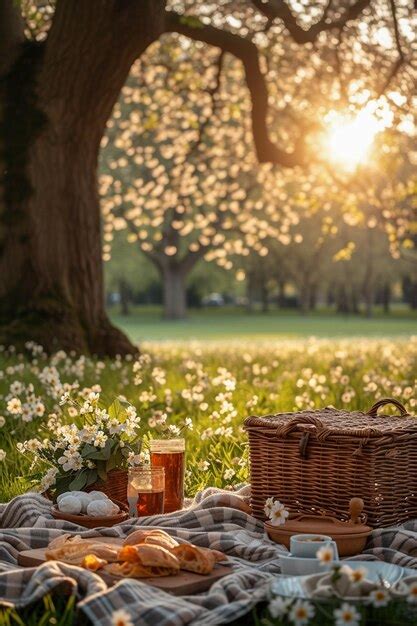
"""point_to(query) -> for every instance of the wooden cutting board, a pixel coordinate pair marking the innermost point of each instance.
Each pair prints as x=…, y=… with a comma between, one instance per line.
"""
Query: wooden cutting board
x=184, y=583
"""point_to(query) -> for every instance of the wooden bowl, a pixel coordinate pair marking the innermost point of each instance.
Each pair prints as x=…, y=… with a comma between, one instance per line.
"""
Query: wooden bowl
x=348, y=544
x=350, y=535
x=88, y=521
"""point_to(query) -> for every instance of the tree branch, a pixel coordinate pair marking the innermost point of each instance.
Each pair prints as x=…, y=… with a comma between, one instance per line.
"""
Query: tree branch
x=247, y=52
x=278, y=9
x=11, y=33
x=401, y=56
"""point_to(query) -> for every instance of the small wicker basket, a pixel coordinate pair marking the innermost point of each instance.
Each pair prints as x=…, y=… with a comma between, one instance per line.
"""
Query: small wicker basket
x=115, y=487
x=318, y=460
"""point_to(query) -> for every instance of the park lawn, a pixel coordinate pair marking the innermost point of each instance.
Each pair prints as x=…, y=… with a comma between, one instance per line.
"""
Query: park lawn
x=146, y=323
x=217, y=384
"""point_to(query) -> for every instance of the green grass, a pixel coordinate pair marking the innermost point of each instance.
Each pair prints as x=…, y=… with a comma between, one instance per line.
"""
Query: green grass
x=146, y=323
x=217, y=384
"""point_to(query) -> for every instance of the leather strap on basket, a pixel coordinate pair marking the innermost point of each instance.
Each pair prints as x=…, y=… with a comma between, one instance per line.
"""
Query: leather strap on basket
x=285, y=429
x=373, y=411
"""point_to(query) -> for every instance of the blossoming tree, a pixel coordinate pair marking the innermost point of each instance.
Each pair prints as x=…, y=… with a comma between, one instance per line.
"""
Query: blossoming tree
x=62, y=68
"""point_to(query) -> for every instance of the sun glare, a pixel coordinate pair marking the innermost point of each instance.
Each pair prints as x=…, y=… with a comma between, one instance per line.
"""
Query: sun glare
x=349, y=139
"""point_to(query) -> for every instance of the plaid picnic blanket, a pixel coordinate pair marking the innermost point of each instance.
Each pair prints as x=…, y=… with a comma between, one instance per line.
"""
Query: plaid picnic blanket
x=26, y=523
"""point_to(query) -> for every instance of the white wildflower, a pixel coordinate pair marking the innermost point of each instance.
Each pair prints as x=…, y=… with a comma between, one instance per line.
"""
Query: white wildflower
x=379, y=597
x=279, y=514
x=412, y=593
x=14, y=406
x=268, y=506
x=278, y=607
x=301, y=612
x=121, y=618
x=325, y=555
x=347, y=615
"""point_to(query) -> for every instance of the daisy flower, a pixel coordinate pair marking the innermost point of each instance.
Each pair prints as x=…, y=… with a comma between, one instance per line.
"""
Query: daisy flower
x=412, y=593
x=14, y=406
x=121, y=618
x=278, y=607
x=379, y=597
x=325, y=555
x=358, y=575
x=301, y=612
x=278, y=514
x=346, y=615
x=268, y=506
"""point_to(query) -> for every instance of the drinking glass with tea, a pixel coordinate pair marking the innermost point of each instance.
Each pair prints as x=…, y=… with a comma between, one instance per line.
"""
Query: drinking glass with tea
x=145, y=491
x=170, y=455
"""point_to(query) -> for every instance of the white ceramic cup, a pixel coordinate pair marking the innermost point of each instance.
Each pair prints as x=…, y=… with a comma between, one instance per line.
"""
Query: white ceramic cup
x=307, y=545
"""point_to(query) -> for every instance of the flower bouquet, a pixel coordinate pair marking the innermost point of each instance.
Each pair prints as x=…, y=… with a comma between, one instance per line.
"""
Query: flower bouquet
x=86, y=442
x=377, y=604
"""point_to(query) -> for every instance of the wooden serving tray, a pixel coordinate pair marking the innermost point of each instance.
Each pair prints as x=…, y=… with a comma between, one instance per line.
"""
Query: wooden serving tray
x=183, y=584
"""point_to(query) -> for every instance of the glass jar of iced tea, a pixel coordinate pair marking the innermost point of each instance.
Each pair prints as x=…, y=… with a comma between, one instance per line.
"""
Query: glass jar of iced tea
x=170, y=454
x=145, y=491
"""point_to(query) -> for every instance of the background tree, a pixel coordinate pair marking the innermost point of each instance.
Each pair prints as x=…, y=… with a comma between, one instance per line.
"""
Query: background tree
x=61, y=75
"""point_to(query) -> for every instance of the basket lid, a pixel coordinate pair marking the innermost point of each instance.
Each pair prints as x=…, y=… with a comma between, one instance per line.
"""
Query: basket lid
x=300, y=523
x=330, y=422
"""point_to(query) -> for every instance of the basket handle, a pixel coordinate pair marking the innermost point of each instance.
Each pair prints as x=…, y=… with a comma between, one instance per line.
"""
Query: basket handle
x=285, y=429
x=373, y=411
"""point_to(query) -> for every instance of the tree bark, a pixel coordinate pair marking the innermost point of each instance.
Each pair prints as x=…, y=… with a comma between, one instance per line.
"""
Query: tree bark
x=386, y=297
x=369, y=281
x=281, y=294
x=264, y=295
x=57, y=98
x=124, y=293
x=174, y=292
x=250, y=292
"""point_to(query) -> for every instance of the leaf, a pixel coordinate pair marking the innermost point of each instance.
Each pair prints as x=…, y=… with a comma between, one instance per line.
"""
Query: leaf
x=101, y=472
x=62, y=484
x=79, y=481
x=116, y=410
x=98, y=455
x=92, y=477
x=87, y=450
x=115, y=461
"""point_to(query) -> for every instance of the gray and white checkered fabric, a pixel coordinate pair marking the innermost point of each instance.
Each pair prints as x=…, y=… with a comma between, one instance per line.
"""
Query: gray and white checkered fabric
x=26, y=523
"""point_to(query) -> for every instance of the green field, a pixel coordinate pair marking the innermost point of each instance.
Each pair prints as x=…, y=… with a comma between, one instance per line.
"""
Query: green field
x=216, y=384
x=146, y=323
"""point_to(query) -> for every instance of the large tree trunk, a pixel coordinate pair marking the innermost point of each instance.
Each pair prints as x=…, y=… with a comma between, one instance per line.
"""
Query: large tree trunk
x=281, y=294
x=174, y=293
x=369, y=280
x=124, y=293
x=55, y=102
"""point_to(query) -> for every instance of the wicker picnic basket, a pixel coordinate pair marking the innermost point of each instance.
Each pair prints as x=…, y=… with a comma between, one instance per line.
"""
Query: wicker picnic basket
x=115, y=487
x=315, y=461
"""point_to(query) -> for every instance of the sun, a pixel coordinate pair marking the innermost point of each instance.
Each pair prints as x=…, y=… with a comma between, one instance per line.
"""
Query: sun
x=349, y=139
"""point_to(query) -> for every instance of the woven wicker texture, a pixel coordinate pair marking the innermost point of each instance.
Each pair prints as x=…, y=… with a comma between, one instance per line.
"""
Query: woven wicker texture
x=115, y=486
x=319, y=460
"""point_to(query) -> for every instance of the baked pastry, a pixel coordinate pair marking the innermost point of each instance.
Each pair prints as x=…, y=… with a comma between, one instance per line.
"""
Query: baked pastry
x=194, y=559
x=155, y=536
x=149, y=556
x=218, y=556
x=72, y=550
x=93, y=562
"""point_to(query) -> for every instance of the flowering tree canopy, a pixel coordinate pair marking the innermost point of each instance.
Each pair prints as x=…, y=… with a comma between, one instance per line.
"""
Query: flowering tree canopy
x=62, y=68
